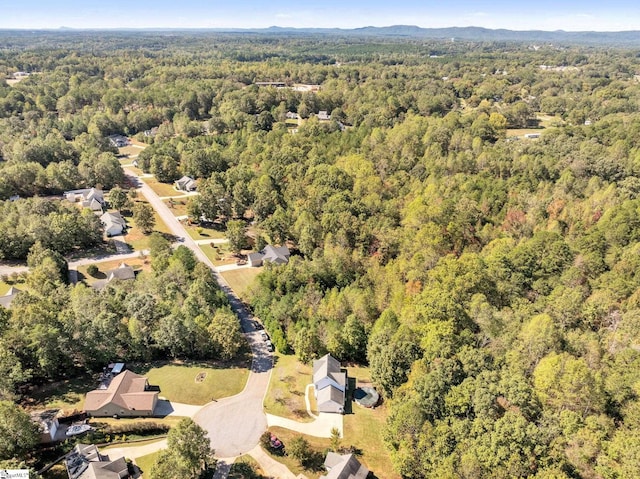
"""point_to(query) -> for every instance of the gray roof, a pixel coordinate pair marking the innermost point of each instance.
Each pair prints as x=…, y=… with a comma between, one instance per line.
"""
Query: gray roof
x=275, y=254
x=186, y=183
x=328, y=366
x=9, y=296
x=113, y=220
x=86, y=462
x=124, y=271
x=344, y=466
x=330, y=399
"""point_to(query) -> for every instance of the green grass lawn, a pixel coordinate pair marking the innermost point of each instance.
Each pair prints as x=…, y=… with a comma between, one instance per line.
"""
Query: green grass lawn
x=219, y=254
x=285, y=396
x=66, y=395
x=198, y=232
x=241, y=279
x=162, y=189
x=137, y=240
x=137, y=264
x=177, y=206
x=18, y=283
x=319, y=445
x=178, y=382
x=249, y=461
x=144, y=463
x=363, y=429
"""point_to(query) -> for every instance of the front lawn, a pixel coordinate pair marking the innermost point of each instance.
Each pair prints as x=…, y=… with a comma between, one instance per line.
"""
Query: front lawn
x=144, y=463
x=199, y=232
x=137, y=240
x=162, y=189
x=319, y=446
x=241, y=279
x=178, y=383
x=138, y=264
x=178, y=206
x=285, y=396
x=219, y=254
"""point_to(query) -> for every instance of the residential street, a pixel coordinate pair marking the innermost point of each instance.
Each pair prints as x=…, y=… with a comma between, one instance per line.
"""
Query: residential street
x=234, y=424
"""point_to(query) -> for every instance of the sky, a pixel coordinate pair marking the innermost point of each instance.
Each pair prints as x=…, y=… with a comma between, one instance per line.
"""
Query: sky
x=570, y=15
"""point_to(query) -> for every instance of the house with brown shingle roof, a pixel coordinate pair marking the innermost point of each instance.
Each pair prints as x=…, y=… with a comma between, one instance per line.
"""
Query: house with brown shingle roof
x=127, y=395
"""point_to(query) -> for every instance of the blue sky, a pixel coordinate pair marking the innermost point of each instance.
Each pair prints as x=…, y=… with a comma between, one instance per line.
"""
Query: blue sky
x=613, y=15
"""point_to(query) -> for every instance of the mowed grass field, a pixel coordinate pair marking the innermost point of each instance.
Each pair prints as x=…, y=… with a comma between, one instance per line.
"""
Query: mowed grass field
x=178, y=382
x=162, y=189
x=241, y=279
x=285, y=396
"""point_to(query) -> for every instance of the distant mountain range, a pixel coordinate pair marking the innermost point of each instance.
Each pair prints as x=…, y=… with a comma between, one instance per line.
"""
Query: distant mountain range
x=463, y=33
x=411, y=31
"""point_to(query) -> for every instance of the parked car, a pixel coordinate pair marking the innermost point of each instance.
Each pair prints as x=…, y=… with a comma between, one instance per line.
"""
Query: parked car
x=270, y=347
x=264, y=335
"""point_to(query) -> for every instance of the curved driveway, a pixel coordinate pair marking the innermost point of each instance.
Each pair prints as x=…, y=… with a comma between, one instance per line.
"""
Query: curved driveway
x=234, y=424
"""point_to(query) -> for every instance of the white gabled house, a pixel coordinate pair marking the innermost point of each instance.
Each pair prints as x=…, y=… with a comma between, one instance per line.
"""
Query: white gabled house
x=330, y=384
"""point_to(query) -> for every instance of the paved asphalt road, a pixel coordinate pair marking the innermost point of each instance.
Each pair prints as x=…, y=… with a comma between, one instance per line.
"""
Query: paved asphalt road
x=234, y=424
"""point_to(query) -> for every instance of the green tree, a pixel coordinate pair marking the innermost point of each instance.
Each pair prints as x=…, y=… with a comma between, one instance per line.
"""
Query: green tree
x=225, y=333
x=18, y=433
x=118, y=199
x=188, y=453
x=299, y=449
x=236, y=234
x=143, y=217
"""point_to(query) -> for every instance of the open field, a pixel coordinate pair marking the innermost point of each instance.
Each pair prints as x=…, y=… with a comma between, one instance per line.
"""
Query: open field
x=178, y=382
x=241, y=279
x=130, y=150
x=178, y=206
x=285, y=396
x=162, y=189
x=198, y=232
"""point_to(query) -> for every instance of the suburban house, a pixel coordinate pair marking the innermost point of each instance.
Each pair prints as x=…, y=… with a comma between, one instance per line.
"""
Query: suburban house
x=48, y=424
x=86, y=462
x=345, y=466
x=272, y=254
x=92, y=198
x=128, y=395
x=118, y=141
x=186, y=183
x=330, y=384
x=123, y=272
x=323, y=115
x=9, y=296
x=292, y=115
x=114, y=224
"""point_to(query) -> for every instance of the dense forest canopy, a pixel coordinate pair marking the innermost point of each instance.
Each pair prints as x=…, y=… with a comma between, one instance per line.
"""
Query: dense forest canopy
x=489, y=280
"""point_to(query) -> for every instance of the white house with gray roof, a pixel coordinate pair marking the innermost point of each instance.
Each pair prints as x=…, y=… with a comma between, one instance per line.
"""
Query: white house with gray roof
x=330, y=384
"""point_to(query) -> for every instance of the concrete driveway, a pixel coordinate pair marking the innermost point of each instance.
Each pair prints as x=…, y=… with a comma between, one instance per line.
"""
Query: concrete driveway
x=167, y=408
